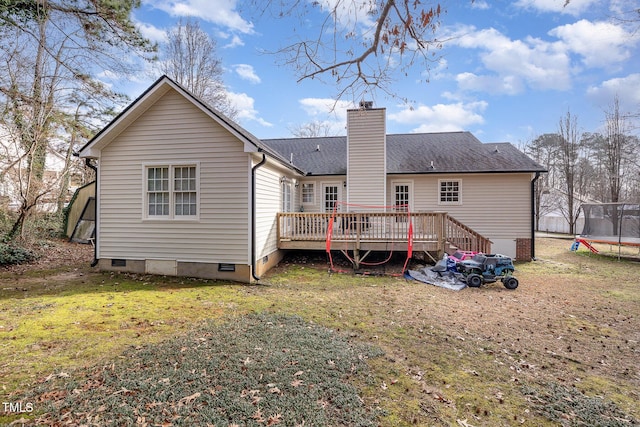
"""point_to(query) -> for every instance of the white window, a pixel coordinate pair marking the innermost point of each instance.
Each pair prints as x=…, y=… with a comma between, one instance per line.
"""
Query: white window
x=308, y=193
x=286, y=196
x=184, y=186
x=449, y=192
x=171, y=192
x=158, y=191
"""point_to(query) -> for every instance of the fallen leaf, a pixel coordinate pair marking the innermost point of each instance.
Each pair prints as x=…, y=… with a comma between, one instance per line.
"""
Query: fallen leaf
x=189, y=399
x=274, y=419
x=296, y=383
x=258, y=416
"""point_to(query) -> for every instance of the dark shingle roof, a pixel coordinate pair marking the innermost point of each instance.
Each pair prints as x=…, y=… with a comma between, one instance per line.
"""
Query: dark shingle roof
x=329, y=159
x=448, y=152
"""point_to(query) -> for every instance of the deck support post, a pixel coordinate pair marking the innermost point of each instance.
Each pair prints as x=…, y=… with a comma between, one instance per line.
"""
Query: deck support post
x=356, y=259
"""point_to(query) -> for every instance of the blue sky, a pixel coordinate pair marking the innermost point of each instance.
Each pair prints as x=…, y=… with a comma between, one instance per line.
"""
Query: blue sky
x=508, y=71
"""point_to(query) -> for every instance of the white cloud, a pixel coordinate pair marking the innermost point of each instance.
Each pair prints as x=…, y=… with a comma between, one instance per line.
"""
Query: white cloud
x=315, y=107
x=236, y=41
x=575, y=7
x=152, y=32
x=627, y=89
x=480, y=4
x=244, y=104
x=601, y=44
x=509, y=85
x=624, y=9
x=442, y=117
x=246, y=72
x=328, y=112
x=542, y=65
x=348, y=13
x=219, y=12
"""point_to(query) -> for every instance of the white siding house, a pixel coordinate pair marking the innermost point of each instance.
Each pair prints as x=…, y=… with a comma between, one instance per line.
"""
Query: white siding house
x=174, y=191
x=182, y=190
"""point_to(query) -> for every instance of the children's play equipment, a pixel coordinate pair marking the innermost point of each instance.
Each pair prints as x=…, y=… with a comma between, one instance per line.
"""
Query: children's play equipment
x=488, y=269
x=609, y=223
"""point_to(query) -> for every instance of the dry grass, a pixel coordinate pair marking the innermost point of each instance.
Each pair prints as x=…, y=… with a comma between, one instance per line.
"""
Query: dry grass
x=478, y=357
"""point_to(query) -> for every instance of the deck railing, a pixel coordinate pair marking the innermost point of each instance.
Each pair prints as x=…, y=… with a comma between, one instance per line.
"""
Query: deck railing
x=463, y=237
x=360, y=227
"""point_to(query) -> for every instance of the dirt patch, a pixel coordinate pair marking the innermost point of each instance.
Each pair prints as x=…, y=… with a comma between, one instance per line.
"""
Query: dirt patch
x=54, y=255
x=570, y=327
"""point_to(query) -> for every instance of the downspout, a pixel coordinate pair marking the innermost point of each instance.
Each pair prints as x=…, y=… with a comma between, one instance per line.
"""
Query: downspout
x=533, y=216
x=253, y=216
x=95, y=241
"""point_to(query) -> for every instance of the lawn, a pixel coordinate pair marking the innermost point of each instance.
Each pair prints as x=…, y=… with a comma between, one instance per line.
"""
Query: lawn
x=309, y=348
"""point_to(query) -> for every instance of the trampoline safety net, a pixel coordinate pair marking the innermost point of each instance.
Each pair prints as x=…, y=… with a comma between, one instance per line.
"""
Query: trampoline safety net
x=614, y=222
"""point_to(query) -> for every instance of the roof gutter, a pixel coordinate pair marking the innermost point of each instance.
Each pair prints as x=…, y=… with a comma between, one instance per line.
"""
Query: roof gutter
x=95, y=241
x=253, y=215
x=533, y=216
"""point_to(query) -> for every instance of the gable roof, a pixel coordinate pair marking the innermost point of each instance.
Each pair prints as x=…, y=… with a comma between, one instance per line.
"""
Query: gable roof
x=415, y=153
x=149, y=97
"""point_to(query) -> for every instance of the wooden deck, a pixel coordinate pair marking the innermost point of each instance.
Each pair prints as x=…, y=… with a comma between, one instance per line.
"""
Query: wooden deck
x=433, y=232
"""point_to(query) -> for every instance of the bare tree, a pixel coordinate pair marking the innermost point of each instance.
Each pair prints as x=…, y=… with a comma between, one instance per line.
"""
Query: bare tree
x=616, y=149
x=312, y=129
x=361, y=44
x=189, y=57
x=568, y=161
x=544, y=150
x=51, y=51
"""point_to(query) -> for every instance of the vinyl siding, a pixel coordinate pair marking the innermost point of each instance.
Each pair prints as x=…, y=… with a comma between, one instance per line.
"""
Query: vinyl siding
x=366, y=159
x=268, y=204
x=497, y=206
x=174, y=131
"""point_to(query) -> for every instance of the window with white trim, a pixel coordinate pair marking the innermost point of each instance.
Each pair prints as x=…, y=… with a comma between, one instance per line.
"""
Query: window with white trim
x=449, y=191
x=308, y=193
x=171, y=191
x=286, y=197
x=158, y=191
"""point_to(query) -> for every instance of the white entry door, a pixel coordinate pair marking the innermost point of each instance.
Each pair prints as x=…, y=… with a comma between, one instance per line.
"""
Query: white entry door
x=331, y=195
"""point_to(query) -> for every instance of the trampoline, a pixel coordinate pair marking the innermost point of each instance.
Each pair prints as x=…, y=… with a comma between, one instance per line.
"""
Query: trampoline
x=610, y=223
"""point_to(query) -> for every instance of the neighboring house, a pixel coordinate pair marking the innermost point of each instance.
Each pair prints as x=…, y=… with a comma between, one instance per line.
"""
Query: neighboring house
x=10, y=188
x=182, y=190
x=554, y=211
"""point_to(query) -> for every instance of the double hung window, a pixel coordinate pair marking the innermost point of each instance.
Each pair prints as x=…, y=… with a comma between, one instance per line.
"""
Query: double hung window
x=171, y=192
x=308, y=193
